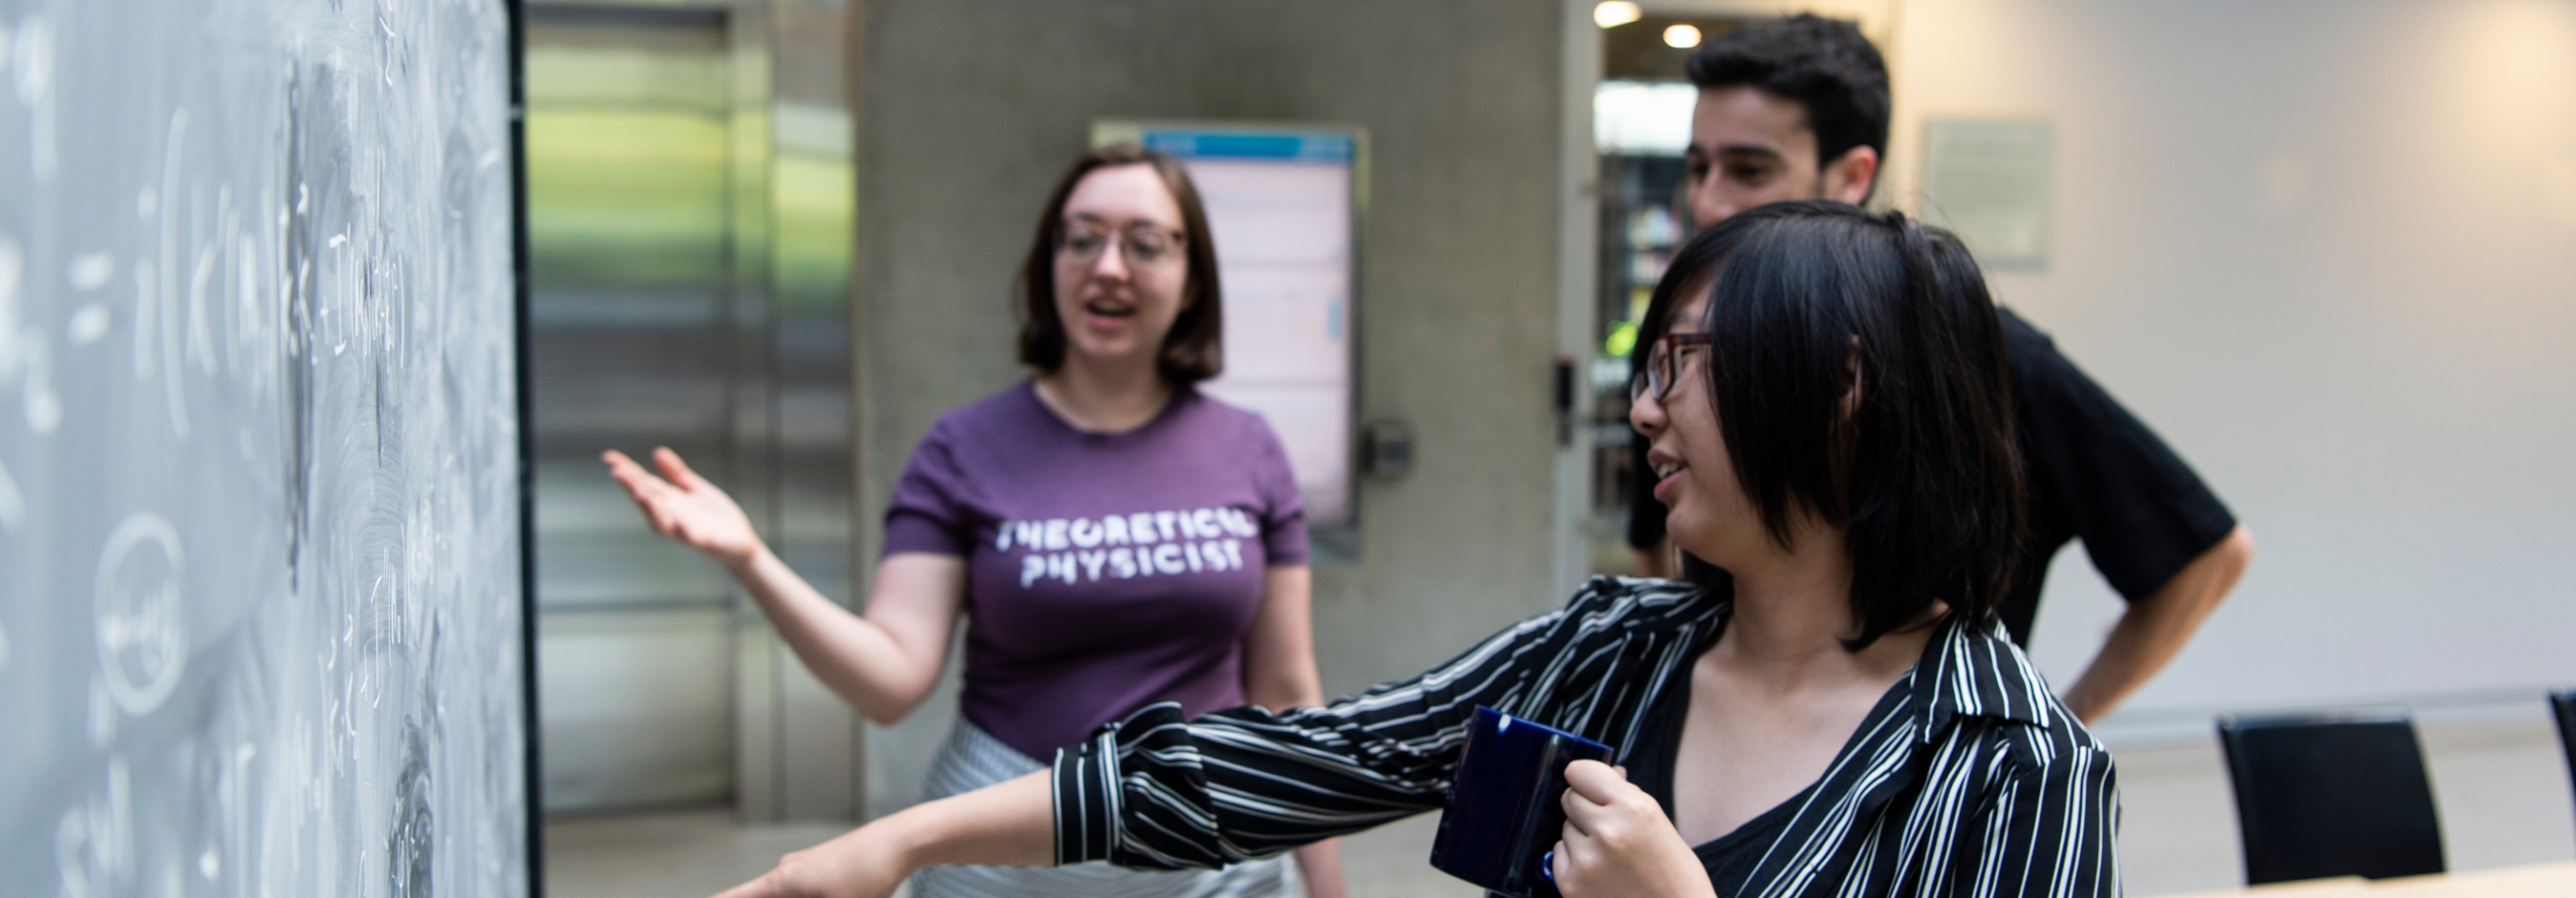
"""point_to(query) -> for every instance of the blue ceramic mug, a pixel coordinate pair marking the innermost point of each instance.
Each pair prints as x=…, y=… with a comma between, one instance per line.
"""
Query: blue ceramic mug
x=1505, y=809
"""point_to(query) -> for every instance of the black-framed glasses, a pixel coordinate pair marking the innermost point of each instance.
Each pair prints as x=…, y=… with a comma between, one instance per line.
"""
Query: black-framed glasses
x=1144, y=246
x=1661, y=361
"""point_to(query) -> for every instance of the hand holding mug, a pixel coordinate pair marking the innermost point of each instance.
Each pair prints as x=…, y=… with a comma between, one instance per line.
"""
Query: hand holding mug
x=1618, y=843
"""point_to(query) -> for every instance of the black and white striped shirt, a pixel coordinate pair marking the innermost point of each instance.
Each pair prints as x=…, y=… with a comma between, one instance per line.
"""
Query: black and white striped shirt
x=1973, y=782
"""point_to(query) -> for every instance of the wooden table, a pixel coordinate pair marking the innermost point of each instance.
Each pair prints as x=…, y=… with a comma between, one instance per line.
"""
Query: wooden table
x=2554, y=880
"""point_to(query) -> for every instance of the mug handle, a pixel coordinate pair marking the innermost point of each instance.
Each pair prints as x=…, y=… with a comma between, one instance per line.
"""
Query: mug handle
x=1547, y=866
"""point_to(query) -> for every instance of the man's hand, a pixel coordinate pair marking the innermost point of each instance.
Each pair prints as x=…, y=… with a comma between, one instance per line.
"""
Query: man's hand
x=2154, y=629
x=1619, y=844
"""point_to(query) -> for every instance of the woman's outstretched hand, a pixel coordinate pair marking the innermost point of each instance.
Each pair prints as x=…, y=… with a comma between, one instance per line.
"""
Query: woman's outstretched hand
x=857, y=864
x=1011, y=823
x=851, y=866
x=1619, y=844
x=685, y=507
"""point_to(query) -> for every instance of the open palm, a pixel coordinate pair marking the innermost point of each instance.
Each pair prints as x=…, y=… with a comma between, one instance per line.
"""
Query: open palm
x=683, y=506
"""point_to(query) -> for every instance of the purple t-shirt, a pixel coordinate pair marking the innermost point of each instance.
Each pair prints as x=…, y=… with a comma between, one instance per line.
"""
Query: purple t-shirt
x=1105, y=572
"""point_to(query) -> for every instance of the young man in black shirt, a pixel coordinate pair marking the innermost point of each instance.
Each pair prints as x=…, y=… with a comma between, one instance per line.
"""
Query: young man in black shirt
x=1798, y=108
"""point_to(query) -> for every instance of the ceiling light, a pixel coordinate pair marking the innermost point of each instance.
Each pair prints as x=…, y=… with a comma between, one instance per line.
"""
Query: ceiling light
x=1614, y=13
x=1681, y=36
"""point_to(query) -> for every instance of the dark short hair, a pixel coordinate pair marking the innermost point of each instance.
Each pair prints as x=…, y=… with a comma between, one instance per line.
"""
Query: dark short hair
x=1194, y=349
x=1923, y=475
x=1827, y=66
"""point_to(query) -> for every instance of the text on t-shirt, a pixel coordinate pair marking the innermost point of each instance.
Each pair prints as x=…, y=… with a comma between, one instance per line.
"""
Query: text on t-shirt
x=1140, y=544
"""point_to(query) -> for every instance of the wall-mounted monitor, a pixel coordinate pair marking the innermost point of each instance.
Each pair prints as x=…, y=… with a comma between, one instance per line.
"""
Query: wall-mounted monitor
x=1284, y=202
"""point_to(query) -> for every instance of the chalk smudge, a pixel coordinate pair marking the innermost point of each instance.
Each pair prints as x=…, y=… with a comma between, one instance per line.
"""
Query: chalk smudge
x=90, y=271
x=13, y=268
x=89, y=324
x=13, y=506
x=32, y=69
x=44, y=408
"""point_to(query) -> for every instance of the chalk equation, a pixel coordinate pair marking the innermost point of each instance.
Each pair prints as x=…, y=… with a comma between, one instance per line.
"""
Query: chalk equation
x=142, y=634
x=259, y=550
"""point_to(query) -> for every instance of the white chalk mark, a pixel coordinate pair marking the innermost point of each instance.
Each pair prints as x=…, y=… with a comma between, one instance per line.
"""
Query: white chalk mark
x=142, y=628
x=171, y=376
x=89, y=324
x=236, y=804
x=71, y=843
x=90, y=271
x=227, y=233
x=44, y=409
x=32, y=70
x=120, y=818
x=144, y=306
x=201, y=337
x=208, y=865
x=251, y=319
x=13, y=515
x=13, y=268
x=338, y=240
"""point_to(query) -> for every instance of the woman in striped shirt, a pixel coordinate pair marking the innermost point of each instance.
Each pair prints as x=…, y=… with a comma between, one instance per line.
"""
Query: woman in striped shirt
x=1825, y=708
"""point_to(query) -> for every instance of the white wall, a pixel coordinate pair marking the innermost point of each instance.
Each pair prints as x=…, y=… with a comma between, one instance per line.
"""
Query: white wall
x=2328, y=249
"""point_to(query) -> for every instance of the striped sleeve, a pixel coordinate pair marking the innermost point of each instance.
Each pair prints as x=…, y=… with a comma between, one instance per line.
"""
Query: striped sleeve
x=2051, y=822
x=1966, y=781
x=1157, y=791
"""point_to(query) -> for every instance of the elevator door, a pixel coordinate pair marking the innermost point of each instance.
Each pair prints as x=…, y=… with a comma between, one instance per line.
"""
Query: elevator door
x=634, y=273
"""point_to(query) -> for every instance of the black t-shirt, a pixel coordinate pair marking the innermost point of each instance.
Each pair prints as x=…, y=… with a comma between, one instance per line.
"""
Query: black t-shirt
x=1729, y=859
x=2092, y=471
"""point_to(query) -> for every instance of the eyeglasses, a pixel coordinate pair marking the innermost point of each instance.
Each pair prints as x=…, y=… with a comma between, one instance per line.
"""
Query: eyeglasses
x=1144, y=246
x=1661, y=361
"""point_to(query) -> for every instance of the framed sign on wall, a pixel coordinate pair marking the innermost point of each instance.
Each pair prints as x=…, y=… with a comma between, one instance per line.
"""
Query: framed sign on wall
x=1988, y=180
x=1284, y=201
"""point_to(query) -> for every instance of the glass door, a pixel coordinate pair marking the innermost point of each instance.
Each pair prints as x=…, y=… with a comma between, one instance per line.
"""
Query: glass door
x=1641, y=126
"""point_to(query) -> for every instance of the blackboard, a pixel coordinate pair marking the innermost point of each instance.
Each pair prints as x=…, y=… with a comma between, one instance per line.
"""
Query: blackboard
x=260, y=595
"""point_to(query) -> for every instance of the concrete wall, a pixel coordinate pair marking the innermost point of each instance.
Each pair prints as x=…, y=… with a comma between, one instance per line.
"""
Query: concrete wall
x=969, y=109
x=2324, y=247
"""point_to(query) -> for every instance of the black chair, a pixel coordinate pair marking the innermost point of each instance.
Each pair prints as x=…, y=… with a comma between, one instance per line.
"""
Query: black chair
x=2333, y=795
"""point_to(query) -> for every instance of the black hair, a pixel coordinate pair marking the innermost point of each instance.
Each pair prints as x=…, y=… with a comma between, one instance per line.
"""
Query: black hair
x=1194, y=349
x=1825, y=65
x=1922, y=474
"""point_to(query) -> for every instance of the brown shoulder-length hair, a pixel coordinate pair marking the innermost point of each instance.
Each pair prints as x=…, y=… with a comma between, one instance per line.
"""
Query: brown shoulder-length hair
x=1194, y=349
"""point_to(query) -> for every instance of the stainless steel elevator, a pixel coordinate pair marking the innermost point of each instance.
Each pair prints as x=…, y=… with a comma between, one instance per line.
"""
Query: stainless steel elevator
x=689, y=212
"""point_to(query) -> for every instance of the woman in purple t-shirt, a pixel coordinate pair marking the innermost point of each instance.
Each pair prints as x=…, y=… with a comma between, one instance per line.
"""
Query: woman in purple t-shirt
x=1112, y=537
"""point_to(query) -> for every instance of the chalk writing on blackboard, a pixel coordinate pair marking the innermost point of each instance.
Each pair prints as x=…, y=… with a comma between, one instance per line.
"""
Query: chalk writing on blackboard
x=259, y=557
